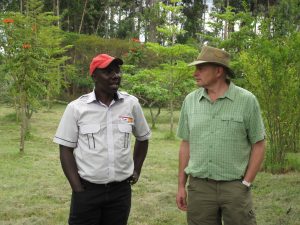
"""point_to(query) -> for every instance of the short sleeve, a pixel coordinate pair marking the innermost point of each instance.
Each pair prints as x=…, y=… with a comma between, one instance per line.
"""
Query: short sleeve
x=183, y=128
x=256, y=129
x=67, y=131
x=141, y=129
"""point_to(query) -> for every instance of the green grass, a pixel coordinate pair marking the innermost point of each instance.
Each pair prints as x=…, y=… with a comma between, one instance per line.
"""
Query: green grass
x=293, y=161
x=33, y=189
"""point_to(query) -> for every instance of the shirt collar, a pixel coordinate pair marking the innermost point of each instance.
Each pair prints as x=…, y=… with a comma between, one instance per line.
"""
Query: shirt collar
x=92, y=96
x=230, y=93
x=202, y=94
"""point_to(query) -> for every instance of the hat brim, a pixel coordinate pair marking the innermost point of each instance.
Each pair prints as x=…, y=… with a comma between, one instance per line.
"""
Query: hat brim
x=198, y=62
x=118, y=61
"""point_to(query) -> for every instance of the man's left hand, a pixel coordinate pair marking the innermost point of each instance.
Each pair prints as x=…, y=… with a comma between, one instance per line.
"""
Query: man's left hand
x=134, y=178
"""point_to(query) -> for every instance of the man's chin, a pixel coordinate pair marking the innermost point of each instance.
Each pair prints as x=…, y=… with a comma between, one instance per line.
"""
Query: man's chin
x=199, y=84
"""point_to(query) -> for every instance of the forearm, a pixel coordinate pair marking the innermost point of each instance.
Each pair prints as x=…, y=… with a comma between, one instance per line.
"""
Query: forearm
x=256, y=160
x=69, y=167
x=139, y=155
x=184, y=156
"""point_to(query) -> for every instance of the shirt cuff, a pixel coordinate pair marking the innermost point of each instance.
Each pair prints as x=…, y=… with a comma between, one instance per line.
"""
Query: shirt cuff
x=257, y=138
x=144, y=137
x=64, y=142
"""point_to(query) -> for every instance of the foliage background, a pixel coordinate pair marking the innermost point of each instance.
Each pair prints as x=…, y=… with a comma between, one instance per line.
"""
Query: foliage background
x=45, y=50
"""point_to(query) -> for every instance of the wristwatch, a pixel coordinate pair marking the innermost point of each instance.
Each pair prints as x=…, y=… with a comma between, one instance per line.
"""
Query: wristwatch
x=246, y=183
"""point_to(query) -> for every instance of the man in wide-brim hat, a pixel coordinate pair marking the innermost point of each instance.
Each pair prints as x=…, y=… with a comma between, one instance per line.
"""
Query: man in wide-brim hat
x=222, y=148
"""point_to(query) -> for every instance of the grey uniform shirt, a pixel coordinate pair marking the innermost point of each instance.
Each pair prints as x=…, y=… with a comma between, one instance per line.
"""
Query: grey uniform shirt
x=100, y=135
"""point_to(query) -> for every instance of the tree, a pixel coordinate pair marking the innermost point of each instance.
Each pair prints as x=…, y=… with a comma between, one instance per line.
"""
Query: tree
x=173, y=24
x=10, y=5
x=151, y=18
x=272, y=73
x=32, y=56
x=195, y=12
x=147, y=87
x=173, y=69
x=174, y=75
x=271, y=69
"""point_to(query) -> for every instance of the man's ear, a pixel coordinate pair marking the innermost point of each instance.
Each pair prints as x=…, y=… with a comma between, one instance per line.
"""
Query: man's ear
x=220, y=71
x=94, y=78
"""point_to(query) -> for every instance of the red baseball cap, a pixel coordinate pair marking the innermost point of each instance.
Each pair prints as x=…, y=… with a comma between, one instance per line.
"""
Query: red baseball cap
x=102, y=61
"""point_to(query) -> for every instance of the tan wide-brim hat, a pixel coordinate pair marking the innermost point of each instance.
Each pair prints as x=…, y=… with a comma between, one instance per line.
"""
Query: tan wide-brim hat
x=214, y=55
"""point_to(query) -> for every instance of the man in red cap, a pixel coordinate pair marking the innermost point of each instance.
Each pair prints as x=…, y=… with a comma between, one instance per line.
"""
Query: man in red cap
x=94, y=141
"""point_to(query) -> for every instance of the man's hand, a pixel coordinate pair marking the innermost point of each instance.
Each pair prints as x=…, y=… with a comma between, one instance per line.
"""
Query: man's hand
x=69, y=167
x=134, y=178
x=139, y=155
x=181, y=199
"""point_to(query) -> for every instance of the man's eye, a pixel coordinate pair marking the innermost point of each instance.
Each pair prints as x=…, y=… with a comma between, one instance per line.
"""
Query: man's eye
x=113, y=72
x=109, y=70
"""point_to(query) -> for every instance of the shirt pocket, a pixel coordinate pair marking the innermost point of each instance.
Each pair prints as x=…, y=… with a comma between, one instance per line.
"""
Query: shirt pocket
x=125, y=131
x=233, y=126
x=89, y=133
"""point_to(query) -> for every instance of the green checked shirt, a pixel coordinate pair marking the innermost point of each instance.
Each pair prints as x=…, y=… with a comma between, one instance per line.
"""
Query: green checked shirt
x=220, y=133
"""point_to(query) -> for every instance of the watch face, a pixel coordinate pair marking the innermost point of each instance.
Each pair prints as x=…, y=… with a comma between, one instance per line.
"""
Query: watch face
x=246, y=183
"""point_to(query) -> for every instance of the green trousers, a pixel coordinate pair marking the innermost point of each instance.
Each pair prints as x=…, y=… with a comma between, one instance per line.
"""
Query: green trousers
x=213, y=202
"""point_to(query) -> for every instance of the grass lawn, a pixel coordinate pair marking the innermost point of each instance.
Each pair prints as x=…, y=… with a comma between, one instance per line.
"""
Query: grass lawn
x=33, y=189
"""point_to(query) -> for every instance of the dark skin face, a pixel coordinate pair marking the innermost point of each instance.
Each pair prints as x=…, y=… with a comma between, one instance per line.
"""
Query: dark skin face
x=107, y=82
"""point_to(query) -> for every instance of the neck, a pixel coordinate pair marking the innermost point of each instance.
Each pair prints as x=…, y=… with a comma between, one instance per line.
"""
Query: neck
x=217, y=90
x=105, y=98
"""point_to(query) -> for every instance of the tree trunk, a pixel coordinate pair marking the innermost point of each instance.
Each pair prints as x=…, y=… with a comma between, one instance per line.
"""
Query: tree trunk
x=139, y=20
x=48, y=99
x=24, y=122
x=111, y=22
x=22, y=130
x=98, y=24
x=68, y=18
x=82, y=17
x=171, y=118
x=151, y=37
x=154, y=117
x=21, y=6
x=57, y=12
x=107, y=23
x=54, y=6
x=226, y=25
x=205, y=7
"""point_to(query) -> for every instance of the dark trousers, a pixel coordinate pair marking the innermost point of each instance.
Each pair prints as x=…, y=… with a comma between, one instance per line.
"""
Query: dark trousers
x=101, y=204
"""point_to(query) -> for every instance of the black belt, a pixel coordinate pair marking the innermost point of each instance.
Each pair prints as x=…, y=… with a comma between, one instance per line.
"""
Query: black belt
x=212, y=180
x=90, y=184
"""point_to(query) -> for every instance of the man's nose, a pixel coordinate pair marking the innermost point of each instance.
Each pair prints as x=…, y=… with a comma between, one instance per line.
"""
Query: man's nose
x=196, y=73
x=116, y=74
